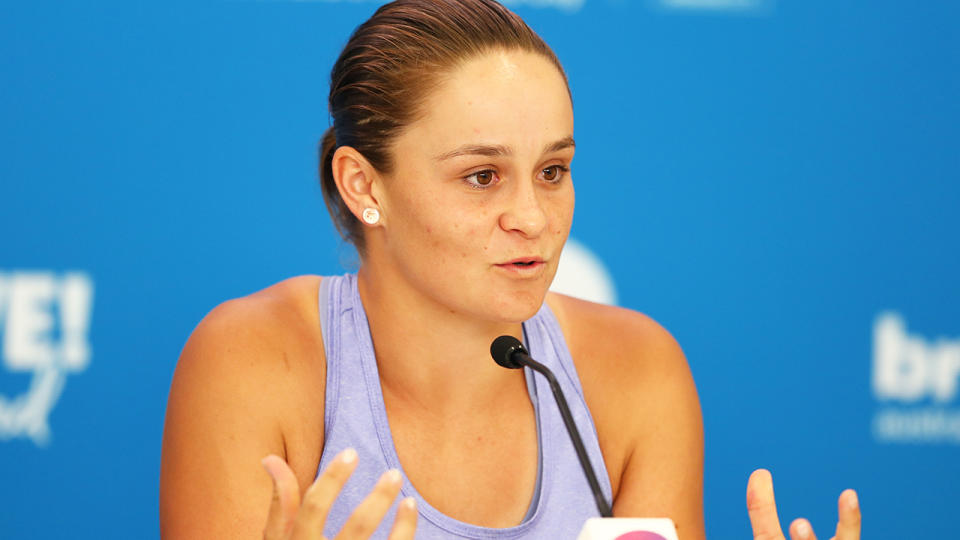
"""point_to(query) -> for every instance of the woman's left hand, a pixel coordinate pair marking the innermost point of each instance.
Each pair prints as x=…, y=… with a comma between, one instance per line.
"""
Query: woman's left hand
x=766, y=525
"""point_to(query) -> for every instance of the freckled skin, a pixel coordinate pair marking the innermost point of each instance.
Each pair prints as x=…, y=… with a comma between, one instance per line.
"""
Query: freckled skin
x=445, y=237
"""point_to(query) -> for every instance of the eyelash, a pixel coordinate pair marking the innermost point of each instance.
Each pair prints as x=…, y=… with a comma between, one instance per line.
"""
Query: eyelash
x=562, y=172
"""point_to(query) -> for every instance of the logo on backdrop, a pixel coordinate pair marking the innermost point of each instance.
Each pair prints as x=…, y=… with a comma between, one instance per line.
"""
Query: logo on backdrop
x=915, y=382
x=582, y=274
x=728, y=6
x=44, y=323
x=567, y=5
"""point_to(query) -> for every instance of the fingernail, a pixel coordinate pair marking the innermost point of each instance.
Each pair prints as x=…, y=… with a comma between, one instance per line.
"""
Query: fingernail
x=391, y=477
x=854, y=503
x=803, y=529
x=348, y=456
x=409, y=503
x=265, y=462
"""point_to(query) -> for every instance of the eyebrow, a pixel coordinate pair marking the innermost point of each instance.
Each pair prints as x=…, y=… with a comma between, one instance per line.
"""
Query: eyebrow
x=497, y=150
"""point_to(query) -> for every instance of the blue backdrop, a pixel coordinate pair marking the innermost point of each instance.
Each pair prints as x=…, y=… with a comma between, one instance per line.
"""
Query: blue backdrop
x=775, y=182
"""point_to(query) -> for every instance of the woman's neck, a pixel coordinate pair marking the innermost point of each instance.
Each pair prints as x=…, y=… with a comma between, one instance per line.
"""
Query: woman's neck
x=428, y=355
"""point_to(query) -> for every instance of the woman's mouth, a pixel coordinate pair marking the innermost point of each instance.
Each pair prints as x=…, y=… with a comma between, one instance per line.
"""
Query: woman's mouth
x=523, y=267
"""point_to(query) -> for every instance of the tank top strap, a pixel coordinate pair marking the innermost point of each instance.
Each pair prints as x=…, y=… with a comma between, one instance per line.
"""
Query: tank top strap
x=328, y=301
x=546, y=344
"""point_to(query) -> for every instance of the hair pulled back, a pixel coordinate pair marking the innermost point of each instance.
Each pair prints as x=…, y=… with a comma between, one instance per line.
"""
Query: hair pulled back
x=388, y=67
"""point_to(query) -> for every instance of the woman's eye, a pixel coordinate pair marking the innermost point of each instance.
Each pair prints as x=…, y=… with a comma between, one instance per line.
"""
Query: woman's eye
x=554, y=173
x=481, y=179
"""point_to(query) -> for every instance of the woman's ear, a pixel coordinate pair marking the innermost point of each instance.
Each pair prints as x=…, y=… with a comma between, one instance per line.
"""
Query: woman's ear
x=355, y=179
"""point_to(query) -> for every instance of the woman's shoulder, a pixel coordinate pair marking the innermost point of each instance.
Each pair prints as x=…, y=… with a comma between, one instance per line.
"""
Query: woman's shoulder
x=287, y=306
x=269, y=335
x=640, y=392
x=627, y=341
x=267, y=343
x=624, y=358
x=248, y=383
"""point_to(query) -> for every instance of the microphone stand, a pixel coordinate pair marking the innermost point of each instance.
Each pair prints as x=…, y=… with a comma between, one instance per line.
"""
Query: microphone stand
x=602, y=504
x=508, y=352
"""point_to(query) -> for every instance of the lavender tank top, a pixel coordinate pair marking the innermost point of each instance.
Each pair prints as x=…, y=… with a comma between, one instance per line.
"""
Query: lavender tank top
x=355, y=417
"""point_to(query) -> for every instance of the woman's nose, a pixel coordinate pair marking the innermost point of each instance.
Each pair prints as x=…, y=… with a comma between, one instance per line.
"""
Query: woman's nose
x=524, y=212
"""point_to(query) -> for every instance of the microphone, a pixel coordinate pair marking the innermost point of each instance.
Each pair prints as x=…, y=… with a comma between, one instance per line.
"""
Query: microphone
x=508, y=352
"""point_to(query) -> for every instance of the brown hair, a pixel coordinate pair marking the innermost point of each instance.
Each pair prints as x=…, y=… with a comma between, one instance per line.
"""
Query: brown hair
x=389, y=65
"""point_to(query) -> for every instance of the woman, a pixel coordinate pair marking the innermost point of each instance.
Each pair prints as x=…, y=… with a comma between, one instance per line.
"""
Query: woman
x=448, y=166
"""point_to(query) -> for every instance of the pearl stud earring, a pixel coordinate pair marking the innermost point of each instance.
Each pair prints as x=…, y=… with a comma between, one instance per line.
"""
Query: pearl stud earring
x=371, y=216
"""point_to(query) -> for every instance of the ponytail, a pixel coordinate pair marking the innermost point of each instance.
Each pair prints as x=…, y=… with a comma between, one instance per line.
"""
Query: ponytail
x=346, y=223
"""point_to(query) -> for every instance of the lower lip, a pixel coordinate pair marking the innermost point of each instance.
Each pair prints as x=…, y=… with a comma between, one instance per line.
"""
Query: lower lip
x=525, y=271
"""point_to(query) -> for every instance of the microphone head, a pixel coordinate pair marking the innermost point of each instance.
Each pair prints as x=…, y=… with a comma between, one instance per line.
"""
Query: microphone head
x=502, y=350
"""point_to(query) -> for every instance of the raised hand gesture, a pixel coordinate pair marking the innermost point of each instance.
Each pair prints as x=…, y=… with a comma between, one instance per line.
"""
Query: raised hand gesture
x=289, y=518
x=766, y=525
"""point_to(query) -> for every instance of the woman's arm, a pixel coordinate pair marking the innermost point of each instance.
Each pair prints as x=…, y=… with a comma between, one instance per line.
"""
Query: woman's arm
x=643, y=400
x=660, y=411
x=641, y=394
x=237, y=386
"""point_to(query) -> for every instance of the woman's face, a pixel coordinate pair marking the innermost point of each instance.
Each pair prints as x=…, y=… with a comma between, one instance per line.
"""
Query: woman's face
x=480, y=201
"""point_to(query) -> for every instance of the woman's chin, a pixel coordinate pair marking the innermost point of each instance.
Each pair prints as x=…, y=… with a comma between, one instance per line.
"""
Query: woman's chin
x=517, y=307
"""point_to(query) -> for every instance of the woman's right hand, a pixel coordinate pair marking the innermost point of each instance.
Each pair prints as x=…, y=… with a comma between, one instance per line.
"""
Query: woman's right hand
x=291, y=519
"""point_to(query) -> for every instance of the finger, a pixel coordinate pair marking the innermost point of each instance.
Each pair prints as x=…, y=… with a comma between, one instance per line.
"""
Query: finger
x=762, y=507
x=369, y=513
x=285, y=498
x=848, y=506
x=405, y=523
x=320, y=495
x=800, y=529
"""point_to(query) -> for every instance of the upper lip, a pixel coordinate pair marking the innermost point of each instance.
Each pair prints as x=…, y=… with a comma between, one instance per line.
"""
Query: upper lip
x=524, y=260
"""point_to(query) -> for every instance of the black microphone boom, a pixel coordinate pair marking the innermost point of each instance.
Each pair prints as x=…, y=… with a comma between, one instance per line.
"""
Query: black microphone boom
x=508, y=352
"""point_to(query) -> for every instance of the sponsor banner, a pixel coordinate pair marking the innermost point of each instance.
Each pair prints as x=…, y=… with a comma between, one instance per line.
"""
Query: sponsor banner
x=45, y=320
x=915, y=384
